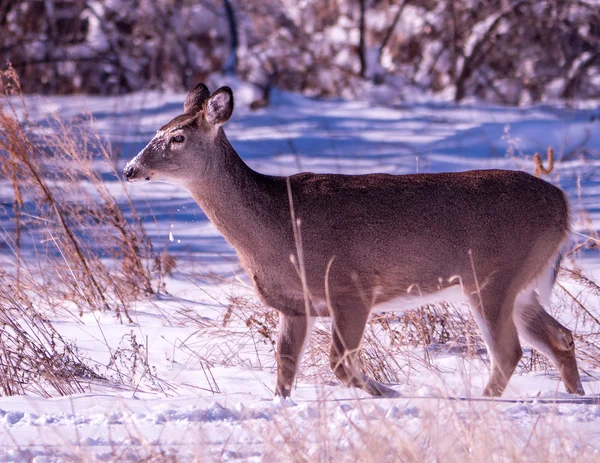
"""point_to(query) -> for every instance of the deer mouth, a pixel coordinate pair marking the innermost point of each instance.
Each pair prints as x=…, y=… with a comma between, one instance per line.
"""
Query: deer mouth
x=132, y=174
x=137, y=179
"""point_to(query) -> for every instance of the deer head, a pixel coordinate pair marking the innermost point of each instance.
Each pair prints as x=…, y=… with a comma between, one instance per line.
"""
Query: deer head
x=183, y=149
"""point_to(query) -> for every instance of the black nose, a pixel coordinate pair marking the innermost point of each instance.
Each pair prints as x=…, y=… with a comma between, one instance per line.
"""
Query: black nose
x=128, y=172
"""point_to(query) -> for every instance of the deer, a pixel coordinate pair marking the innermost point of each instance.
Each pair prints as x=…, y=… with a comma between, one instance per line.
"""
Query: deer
x=346, y=246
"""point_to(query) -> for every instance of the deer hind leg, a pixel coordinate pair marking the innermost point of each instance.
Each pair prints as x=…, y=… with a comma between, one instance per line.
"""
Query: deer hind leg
x=294, y=332
x=492, y=310
x=549, y=337
x=349, y=325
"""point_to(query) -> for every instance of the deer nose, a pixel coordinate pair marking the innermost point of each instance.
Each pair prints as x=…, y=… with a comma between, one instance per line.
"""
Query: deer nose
x=128, y=172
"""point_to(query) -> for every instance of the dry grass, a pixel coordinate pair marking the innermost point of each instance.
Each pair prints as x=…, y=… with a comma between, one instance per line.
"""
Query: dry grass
x=434, y=430
x=69, y=237
x=70, y=247
x=354, y=431
x=34, y=358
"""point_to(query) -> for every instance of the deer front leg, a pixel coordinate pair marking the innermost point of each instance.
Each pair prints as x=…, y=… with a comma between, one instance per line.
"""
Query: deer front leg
x=349, y=322
x=294, y=331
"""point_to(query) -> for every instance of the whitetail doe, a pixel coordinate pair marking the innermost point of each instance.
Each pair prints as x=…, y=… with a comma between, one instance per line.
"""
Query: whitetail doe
x=374, y=242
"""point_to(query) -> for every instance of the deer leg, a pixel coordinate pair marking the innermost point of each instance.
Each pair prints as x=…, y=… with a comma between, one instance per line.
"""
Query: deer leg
x=348, y=330
x=492, y=311
x=294, y=331
x=549, y=337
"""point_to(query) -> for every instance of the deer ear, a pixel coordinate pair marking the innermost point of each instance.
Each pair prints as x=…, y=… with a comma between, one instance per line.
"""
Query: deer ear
x=220, y=106
x=195, y=99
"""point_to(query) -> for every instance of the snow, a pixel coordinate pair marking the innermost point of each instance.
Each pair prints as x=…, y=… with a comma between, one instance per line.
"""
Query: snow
x=207, y=391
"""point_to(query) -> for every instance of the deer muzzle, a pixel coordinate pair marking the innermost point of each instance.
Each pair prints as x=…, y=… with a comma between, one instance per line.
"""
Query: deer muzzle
x=133, y=171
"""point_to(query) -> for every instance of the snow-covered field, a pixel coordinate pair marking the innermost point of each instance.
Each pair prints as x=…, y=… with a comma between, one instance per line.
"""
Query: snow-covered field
x=207, y=393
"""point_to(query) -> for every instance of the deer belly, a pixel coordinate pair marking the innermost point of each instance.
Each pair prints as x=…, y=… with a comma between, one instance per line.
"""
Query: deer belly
x=412, y=301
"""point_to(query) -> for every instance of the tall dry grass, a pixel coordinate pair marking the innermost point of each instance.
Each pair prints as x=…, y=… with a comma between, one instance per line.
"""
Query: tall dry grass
x=34, y=357
x=68, y=245
x=428, y=430
x=69, y=237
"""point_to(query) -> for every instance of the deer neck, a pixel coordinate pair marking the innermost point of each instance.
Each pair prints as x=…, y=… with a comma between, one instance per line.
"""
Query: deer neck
x=235, y=198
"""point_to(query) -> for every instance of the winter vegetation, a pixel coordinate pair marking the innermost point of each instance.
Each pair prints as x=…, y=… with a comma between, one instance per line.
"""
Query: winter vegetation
x=504, y=51
x=128, y=329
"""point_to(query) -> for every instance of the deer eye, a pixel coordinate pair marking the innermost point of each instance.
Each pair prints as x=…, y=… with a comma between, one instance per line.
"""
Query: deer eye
x=178, y=139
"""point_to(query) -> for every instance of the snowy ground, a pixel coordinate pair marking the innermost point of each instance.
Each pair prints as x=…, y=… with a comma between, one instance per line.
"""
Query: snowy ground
x=209, y=393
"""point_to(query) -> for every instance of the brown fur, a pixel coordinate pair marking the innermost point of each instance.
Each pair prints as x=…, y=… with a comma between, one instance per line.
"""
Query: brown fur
x=378, y=236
